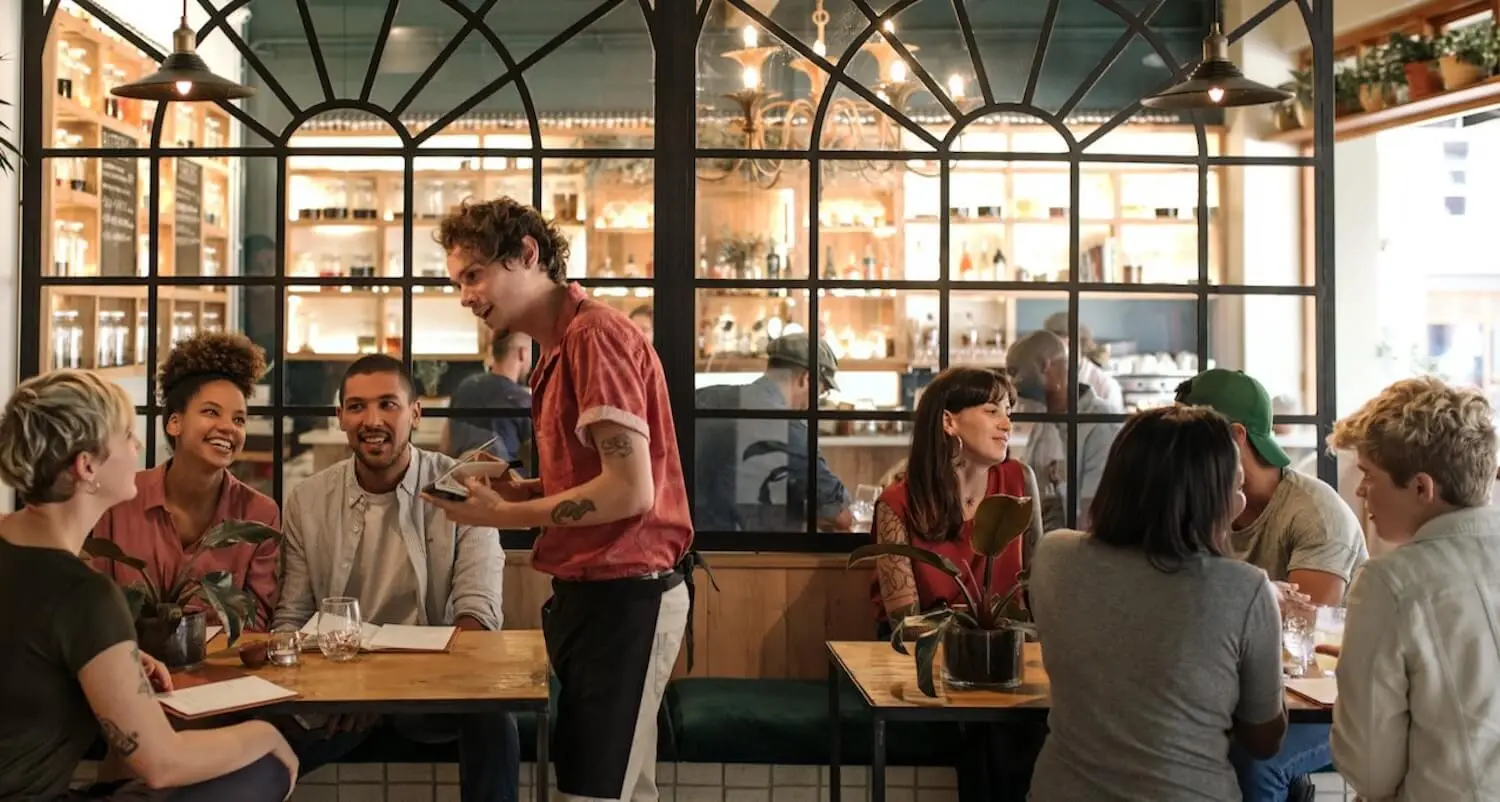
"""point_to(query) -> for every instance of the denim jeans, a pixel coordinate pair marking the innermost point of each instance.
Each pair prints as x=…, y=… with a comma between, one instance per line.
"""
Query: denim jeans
x=1304, y=751
x=265, y=780
x=489, y=749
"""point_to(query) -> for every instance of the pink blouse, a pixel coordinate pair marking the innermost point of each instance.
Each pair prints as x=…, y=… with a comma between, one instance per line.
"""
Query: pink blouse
x=142, y=528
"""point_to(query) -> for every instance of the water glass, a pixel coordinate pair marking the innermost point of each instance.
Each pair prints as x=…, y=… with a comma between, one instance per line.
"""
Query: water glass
x=284, y=647
x=339, y=628
x=863, y=507
x=1329, y=628
x=1297, y=652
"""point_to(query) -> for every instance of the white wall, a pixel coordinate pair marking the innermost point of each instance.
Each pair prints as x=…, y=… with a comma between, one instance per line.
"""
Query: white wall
x=10, y=208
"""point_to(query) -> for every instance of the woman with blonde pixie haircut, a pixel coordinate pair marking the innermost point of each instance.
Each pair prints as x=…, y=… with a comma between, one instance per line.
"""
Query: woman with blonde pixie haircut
x=72, y=671
x=1418, y=713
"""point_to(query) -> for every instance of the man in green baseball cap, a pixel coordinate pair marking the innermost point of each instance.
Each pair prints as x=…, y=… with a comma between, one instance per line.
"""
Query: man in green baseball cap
x=1294, y=527
x=794, y=351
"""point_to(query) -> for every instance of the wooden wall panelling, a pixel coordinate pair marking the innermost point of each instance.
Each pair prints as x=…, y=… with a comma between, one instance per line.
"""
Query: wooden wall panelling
x=769, y=619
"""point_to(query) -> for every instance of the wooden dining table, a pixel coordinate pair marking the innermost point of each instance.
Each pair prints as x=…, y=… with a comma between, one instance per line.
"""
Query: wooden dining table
x=505, y=671
x=887, y=683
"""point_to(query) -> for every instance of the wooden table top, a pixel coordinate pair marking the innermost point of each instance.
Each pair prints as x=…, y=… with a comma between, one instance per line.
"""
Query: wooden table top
x=888, y=679
x=505, y=666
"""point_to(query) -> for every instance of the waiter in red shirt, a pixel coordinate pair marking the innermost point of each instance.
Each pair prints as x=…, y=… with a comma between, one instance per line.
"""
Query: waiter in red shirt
x=610, y=497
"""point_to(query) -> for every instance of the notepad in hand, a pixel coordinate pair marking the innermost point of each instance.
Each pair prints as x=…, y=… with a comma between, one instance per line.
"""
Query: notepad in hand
x=1320, y=690
x=227, y=696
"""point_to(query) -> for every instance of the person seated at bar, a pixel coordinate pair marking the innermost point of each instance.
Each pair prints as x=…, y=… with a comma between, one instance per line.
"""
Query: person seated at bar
x=1038, y=364
x=1297, y=530
x=204, y=385
x=645, y=320
x=959, y=457
x=1162, y=649
x=502, y=386
x=359, y=528
x=1105, y=387
x=73, y=671
x=745, y=495
x=1418, y=712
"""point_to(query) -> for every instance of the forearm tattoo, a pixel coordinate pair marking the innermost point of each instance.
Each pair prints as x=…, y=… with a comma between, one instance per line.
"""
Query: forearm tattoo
x=617, y=446
x=898, y=583
x=572, y=510
x=145, y=686
x=124, y=743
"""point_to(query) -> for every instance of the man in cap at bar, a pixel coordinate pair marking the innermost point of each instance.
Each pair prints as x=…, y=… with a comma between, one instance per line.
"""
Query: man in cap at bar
x=745, y=498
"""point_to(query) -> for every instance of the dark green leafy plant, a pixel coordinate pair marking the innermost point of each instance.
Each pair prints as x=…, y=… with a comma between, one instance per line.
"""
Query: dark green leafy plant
x=1401, y=49
x=1301, y=87
x=162, y=607
x=1477, y=44
x=999, y=520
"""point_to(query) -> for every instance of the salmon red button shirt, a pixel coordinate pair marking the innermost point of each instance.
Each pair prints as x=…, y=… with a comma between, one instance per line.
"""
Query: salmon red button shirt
x=602, y=369
x=143, y=528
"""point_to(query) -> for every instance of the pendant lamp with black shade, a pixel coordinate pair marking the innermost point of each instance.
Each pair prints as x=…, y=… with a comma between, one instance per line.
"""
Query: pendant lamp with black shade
x=183, y=76
x=1216, y=82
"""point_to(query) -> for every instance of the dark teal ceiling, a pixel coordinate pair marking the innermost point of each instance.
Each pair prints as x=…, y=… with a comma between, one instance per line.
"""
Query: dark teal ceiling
x=608, y=67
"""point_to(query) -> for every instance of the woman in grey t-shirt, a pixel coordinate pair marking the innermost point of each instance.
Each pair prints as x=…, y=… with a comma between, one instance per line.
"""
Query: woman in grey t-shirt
x=1160, y=648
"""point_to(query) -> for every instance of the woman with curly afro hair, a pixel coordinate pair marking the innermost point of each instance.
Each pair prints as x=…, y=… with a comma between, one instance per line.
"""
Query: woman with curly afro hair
x=204, y=385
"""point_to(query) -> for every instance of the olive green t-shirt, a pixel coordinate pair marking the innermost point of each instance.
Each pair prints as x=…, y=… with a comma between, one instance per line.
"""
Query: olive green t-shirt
x=56, y=614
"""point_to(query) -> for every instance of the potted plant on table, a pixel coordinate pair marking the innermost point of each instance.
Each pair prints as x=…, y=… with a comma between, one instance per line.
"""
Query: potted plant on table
x=1417, y=58
x=1468, y=54
x=164, y=629
x=982, y=640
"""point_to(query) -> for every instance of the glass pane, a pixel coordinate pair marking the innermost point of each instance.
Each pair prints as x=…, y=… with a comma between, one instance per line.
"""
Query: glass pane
x=255, y=465
x=319, y=443
x=981, y=326
x=1044, y=446
x=1281, y=356
x=330, y=327
x=860, y=218
x=857, y=460
x=735, y=327
x=765, y=490
x=614, y=52
x=617, y=212
x=881, y=339
x=753, y=217
x=336, y=218
x=1275, y=203
x=507, y=431
x=633, y=302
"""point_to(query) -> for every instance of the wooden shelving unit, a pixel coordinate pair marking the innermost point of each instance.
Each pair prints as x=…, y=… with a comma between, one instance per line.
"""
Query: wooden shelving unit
x=96, y=209
x=1482, y=95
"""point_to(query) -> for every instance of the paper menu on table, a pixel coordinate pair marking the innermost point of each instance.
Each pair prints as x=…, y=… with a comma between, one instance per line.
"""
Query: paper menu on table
x=401, y=638
x=227, y=696
x=391, y=637
x=209, y=633
x=1320, y=690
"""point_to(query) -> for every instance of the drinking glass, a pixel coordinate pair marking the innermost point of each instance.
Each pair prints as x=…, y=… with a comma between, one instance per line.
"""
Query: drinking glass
x=1297, y=646
x=863, y=507
x=339, y=628
x=284, y=647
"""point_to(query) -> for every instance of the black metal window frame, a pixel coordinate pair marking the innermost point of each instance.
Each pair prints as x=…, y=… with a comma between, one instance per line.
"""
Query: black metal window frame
x=675, y=27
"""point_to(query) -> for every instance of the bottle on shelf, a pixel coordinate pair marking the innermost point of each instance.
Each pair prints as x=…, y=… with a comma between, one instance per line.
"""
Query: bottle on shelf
x=867, y=265
x=965, y=265
x=631, y=271
x=703, y=258
x=852, y=271
x=999, y=265
x=608, y=270
x=773, y=261
x=830, y=267
x=726, y=340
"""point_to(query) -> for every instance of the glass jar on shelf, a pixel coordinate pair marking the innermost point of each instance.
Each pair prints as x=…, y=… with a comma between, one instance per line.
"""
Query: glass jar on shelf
x=62, y=248
x=78, y=256
x=184, y=126
x=330, y=266
x=335, y=199
x=213, y=204
x=212, y=266
x=82, y=75
x=213, y=132
x=364, y=203
x=307, y=265
x=213, y=321
x=462, y=191
x=362, y=265
x=67, y=339
x=183, y=327
x=142, y=325
x=434, y=203
x=396, y=203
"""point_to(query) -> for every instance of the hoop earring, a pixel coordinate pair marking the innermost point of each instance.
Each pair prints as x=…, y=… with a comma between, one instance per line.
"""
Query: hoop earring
x=956, y=451
x=92, y=486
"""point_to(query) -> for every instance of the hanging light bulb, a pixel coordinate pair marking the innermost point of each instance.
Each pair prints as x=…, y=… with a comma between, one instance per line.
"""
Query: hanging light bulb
x=751, y=36
x=1216, y=82
x=956, y=86
x=183, y=75
x=898, y=71
x=751, y=77
x=820, y=48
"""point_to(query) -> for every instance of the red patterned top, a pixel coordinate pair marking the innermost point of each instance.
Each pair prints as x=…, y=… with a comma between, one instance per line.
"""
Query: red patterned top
x=934, y=587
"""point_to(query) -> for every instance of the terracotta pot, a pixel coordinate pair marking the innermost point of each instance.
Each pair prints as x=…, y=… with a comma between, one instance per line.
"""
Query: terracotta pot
x=982, y=659
x=1372, y=97
x=1458, y=74
x=1423, y=79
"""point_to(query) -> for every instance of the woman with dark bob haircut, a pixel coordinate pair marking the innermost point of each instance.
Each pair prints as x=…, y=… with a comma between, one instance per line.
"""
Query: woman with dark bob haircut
x=1160, y=646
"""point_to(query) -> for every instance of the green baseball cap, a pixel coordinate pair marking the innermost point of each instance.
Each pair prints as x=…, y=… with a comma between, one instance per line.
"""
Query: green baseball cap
x=1242, y=400
x=792, y=349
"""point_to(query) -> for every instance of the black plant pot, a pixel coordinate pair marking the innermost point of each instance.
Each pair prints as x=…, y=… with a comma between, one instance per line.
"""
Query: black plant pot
x=982, y=659
x=182, y=646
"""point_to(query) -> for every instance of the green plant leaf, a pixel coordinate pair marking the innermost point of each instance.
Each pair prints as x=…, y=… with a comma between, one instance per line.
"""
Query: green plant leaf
x=137, y=597
x=999, y=520
x=233, y=533
x=777, y=474
x=761, y=448
x=229, y=602
x=109, y=550
x=932, y=558
x=927, y=647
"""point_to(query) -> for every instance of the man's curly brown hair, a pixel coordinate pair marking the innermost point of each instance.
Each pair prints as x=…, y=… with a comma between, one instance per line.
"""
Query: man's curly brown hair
x=209, y=356
x=492, y=230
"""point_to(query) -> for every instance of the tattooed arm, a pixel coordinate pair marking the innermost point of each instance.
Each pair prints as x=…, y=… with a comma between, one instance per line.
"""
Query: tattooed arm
x=898, y=583
x=139, y=733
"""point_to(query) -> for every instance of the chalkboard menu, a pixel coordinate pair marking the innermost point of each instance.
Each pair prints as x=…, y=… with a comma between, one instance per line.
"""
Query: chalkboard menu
x=188, y=219
x=119, y=188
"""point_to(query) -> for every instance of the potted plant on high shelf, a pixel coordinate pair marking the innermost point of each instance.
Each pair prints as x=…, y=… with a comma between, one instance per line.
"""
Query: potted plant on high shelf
x=1417, y=58
x=1467, y=55
x=1378, y=77
x=1296, y=111
x=981, y=640
x=164, y=629
x=1346, y=83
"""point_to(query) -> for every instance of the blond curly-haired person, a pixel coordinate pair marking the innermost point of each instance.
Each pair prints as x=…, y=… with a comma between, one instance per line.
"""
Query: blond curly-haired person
x=1418, y=713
